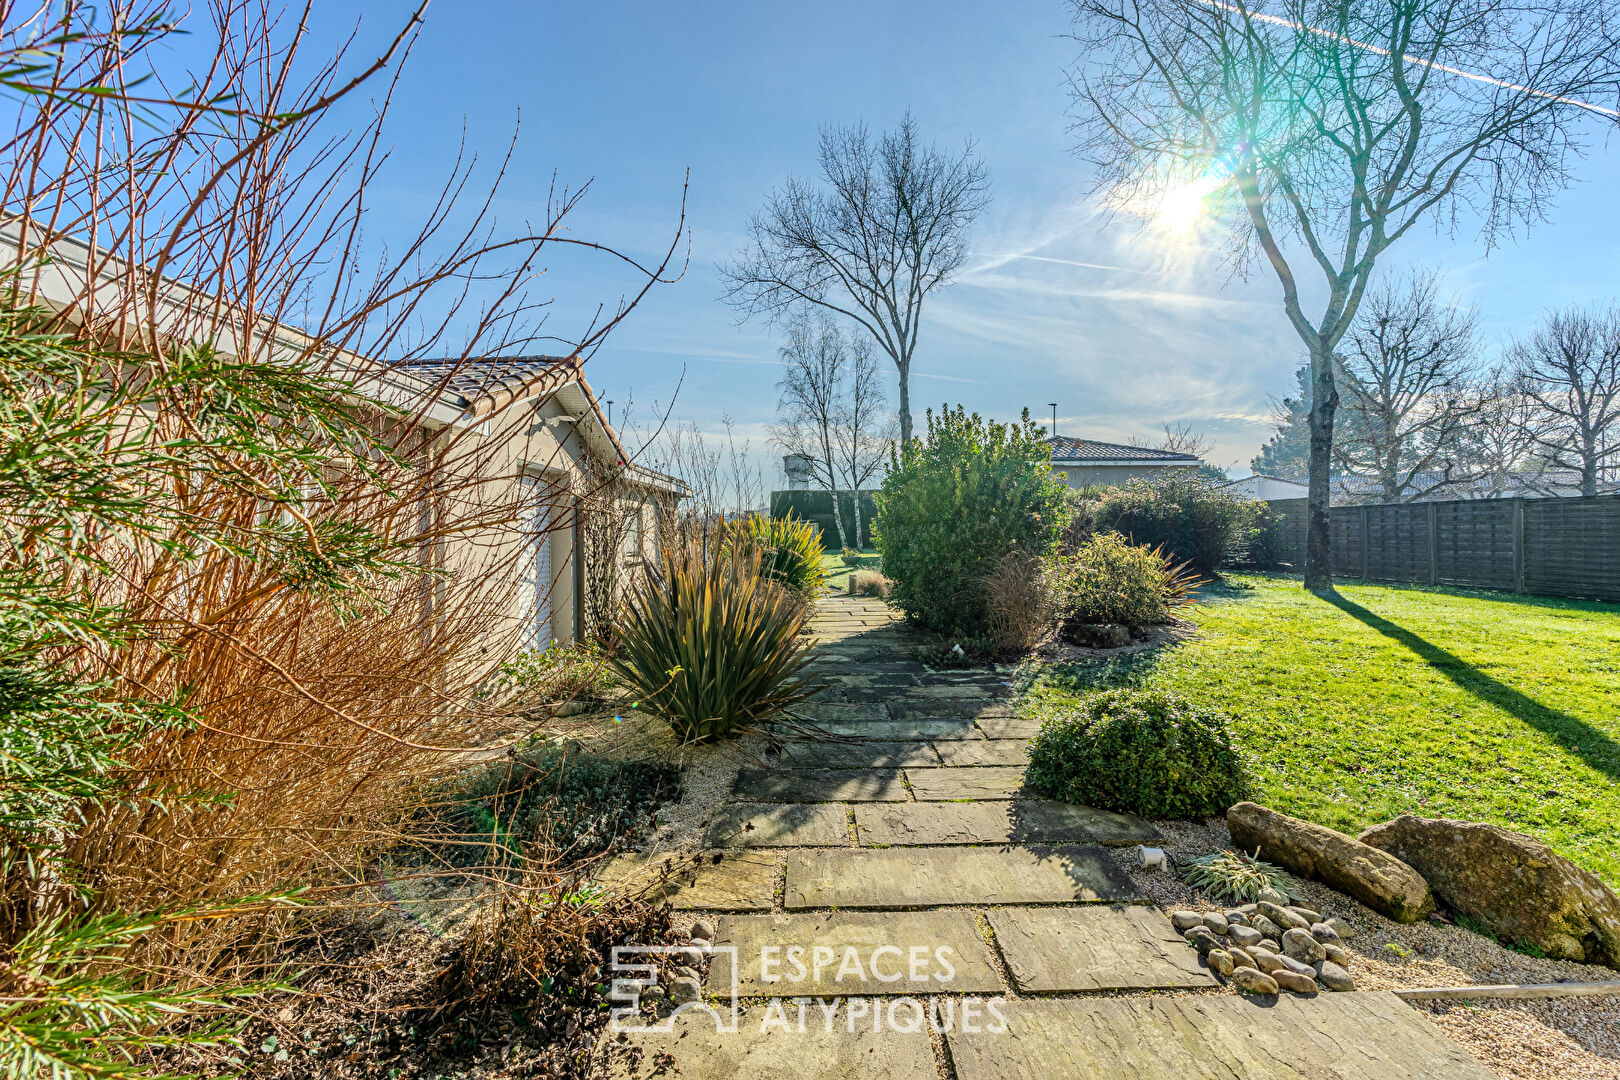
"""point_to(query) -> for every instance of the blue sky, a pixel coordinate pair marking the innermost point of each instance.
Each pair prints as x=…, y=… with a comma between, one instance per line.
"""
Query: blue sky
x=1125, y=329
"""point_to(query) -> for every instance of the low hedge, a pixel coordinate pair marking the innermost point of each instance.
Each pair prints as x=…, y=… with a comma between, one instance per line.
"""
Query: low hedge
x=1145, y=752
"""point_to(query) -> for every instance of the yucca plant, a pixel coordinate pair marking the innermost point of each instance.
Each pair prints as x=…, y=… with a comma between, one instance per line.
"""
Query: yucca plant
x=1181, y=581
x=711, y=645
x=790, y=548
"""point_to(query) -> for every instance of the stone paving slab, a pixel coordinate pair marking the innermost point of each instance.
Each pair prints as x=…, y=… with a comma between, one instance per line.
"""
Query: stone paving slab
x=859, y=755
x=842, y=711
x=740, y=881
x=948, y=709
x=848, y=952
x=1009, y=727
x=818, y=785
x=780, y=825
x=903, y=730
x=1356, y=1036
x=990, y=782
x=1022, y=821
x=945, y=876
x=984, y=752
x=1095, y=948
x=957, y=692
x=761, y=1050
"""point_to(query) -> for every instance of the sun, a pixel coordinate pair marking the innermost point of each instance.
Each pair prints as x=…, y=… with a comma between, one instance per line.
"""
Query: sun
x=1182, y=205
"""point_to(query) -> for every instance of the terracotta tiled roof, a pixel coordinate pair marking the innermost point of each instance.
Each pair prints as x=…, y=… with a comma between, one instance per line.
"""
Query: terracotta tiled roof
x=1066, y=450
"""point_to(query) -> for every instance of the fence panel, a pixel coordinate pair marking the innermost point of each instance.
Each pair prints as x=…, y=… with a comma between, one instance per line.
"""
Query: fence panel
x=1475, y=546
x=1546, y=547
x=1572, y=547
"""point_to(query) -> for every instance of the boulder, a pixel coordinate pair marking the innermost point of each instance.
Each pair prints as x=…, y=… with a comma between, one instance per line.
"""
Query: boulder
x=1372, y=875
x=704, y=929
x=1220, y=962
x=1282, y=916
x=1336, y=955
x=685, y=989
x=1513, y=885
x=1302, y=947
x=1333, y=976
x=1294, y=982
x=1245, y=936
x=1215, y=921
x=1240, y=958
x=1251, y=981
x=1185, y=920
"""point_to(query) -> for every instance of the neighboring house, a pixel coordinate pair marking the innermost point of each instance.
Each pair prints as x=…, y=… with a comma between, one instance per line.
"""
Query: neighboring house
x=1262, y=487
x=519, y=431
x=1086, y=462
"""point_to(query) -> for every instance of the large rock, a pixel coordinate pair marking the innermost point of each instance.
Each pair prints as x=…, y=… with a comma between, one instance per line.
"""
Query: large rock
x=1373, y=876
x=1514, y=885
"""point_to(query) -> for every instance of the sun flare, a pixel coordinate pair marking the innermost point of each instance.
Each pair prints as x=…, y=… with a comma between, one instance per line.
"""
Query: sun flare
x=1182, y=205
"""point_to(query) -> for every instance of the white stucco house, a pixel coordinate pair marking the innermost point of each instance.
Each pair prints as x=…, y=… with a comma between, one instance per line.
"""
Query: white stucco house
x=1260, y=486
x=1087, y=462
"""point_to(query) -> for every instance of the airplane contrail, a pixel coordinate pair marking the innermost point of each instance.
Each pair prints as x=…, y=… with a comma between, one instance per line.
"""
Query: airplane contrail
x=1447, y=68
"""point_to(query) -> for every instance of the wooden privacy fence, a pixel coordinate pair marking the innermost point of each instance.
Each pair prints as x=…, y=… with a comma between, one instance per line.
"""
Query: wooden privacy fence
x=1546, y=547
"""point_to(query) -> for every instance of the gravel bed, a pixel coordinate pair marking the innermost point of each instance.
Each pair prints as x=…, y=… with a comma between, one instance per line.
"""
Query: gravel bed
x=1564, y=1038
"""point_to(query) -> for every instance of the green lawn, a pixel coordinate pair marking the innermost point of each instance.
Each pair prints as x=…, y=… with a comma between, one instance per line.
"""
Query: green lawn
x=838, y=573
x=1440, y=702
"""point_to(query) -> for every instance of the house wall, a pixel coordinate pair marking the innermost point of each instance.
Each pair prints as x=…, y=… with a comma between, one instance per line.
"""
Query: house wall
x=524, y=461
x=1110, y=475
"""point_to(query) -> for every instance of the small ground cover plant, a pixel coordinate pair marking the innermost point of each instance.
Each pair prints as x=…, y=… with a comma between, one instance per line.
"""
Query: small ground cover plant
x=1234, y=877
x=574, y=671
x=1141, y=752
x=574, y=803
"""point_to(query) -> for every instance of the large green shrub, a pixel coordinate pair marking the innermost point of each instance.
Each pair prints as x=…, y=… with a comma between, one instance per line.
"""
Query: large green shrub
x=1144, y=752
x=1111, y=580
x=791, y=550
x=712, y=645
x=1192, y=519
x=954, y=505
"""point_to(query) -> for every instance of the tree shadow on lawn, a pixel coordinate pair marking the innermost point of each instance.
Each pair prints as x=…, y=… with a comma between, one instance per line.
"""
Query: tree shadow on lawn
x=1592, y=746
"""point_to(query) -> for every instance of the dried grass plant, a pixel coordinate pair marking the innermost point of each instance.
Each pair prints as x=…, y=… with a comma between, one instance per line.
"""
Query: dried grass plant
x=1021, y=601
x=149, y=210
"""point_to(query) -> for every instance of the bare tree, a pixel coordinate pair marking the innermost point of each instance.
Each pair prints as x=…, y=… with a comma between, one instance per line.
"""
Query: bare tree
x=887, y=225
x=1503, y=436
x=833, y=412
x=1321, y=135
x=869, y=428
x=1182, y=438
x=1406, y=363
x=811, y=404
x=1569, y=369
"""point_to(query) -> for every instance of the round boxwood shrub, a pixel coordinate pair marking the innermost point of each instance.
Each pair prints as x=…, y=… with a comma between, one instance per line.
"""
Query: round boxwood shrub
x=1141, y=752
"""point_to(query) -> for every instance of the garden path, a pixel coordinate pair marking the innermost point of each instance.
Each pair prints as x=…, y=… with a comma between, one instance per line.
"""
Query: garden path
x=857, y=885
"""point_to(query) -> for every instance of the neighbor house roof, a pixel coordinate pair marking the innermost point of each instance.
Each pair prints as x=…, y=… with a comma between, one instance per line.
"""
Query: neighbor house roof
x=1068, y=451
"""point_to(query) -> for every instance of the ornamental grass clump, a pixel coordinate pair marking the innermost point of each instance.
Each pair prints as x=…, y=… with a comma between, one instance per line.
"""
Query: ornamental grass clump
x=712, y=645
x=1144, y=752
x=1234, y=877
